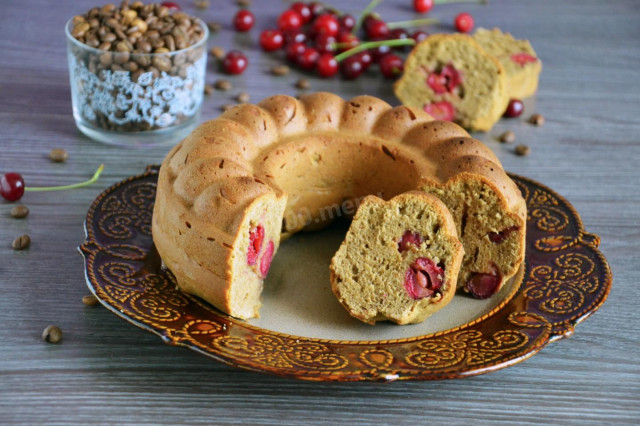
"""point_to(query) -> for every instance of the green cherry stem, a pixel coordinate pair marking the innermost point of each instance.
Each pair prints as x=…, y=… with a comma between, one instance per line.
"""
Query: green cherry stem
x=372, y=5
x=372, y=44
x=412, y=23
x=94, y=178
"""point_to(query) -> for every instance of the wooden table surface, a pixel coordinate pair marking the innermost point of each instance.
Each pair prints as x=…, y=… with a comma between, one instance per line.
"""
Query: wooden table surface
x=108, y=371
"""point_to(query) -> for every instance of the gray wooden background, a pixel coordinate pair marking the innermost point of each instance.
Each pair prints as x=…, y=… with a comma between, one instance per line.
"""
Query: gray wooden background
x=108, y=371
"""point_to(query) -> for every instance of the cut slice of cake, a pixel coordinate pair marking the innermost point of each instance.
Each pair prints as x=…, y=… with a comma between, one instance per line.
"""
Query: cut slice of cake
x=399, y=261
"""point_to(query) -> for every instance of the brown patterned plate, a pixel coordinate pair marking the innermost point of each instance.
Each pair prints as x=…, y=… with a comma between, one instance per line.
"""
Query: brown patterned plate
x=565, y=280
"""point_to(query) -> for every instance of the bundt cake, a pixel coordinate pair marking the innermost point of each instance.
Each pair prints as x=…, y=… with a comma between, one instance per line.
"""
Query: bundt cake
x=522, y=66
x=453, y=78
x=399, y=260
x=229, y=190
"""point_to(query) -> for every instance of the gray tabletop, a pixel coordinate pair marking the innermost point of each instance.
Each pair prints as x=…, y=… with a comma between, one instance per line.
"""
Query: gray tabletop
x=108, y=371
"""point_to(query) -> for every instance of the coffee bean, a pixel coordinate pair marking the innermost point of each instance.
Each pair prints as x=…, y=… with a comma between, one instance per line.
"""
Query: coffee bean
x=303, y=83
x=208, y=89
x=243, y=97
x=90, y=300
x=522, y=150
x=537, y=119
x=243, y=3
x=217, y=52
x=214, y=27
x=226, y=107
x=58, y=155
x=52, y=334
x=508, y=137
x=280, y=70
x=201, y=4
x=20, y=211
x=21, y=243
x=223, y=85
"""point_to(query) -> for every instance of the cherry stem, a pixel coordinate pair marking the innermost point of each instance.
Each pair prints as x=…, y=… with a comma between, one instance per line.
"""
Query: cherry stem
x=412, y=23
x=94, y=178
x=373, y=44
x=372, y=5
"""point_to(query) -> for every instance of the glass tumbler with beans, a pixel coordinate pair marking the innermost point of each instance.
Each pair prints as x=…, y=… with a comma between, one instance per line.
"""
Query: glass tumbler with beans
x=137, y=73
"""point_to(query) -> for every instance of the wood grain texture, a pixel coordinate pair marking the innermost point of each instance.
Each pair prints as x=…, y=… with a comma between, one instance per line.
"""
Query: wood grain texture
x=107, y=371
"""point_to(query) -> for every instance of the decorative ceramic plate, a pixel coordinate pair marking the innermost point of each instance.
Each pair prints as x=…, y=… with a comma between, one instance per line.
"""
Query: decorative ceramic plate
x=304, y=333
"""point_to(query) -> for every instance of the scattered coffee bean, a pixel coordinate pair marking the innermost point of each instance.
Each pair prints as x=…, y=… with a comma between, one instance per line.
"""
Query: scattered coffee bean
x=52, y=334
x=217, y=52
x=508, y=137
x=20, y=211
x=537, y=119
x=522, y=150
x=223, y=85
x=90, y=300
x=201, y=4
x=21, y=243
x=243, y=97
x=243, y=3
x=303, y=83
x=208, y=89
x=58, y=155
x=226, y=107
x=214, y=27
x=280, y=70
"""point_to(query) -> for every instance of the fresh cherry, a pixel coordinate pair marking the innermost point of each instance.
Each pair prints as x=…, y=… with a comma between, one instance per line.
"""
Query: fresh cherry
x=351, y=67
x=399, y=34
x=243, y=21
x=326, y=23
x=172, y=6
x=271, y=40
x=422, y=6
x=464, y=22
x=347, y=22
x=307, y=60
x=326, y=66
x=391, y=66
x=289, y=19
x=294, y=50
x=294, y=35
x=378, y=52
x=350, y=40
x=365, y=59
x=514, y=109
x=316, y=8
x=11, y=186
x=377, y=28
x=325, y=43
x=235, y=62
x=418, y=36
x=303, y=10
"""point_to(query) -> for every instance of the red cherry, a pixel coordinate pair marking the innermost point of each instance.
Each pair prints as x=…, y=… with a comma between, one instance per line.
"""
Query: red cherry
x=523, y=59
x=348, y=38
x=289, y=19
x=481, y=285
x=422, y=6
x=325, y=43
x=11, y=186
x=464, y=22
x=514, y=109
x=307, y=60
x=377, y=28
x=235, y=62
x=294, y=35
x=303, y=10
x=267, y=257
x=347, y=22
x=170, y=5
x=243, y=21
x=442, y=110
x=391, y=66
x=294, y=50
x=326, y=66
x=326, y=23
x=351, y=67
x=399, y=34
x=378, y=52
x=271, y=40
x=418, y=36
x=365, y=59
x=316, y=8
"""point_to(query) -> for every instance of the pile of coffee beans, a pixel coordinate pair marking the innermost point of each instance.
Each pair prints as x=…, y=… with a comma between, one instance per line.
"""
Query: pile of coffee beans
x=138, y=38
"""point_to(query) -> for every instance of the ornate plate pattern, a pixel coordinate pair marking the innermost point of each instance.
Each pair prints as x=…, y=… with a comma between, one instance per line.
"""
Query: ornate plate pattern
x=565, y=280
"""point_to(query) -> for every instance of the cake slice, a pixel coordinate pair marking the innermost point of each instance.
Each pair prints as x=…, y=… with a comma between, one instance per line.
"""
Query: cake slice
x=519, y=60
x=399, y=261
x=453, y=78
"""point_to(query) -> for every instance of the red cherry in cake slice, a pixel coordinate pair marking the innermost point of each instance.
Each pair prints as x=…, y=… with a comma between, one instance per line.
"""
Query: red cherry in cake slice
x=409, y=239
x=267, y=257
x=256, y=237
x=444, y=81
x=481, y=285
x=523, y=59
x=423, y=278
x=442, y=110
x=498, y=237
